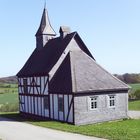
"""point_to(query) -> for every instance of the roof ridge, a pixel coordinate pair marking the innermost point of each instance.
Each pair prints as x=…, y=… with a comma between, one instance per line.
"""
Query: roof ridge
x=62, y=74
x=73, y=77
x=60, y=60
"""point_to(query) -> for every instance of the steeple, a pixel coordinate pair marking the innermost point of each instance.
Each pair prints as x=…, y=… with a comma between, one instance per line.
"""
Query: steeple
x=45, y=31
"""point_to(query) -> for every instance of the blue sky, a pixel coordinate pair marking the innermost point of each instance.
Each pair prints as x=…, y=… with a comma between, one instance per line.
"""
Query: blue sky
x=109, y=28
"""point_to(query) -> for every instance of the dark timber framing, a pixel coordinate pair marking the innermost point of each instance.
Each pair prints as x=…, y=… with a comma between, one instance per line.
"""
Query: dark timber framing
x=33, y=100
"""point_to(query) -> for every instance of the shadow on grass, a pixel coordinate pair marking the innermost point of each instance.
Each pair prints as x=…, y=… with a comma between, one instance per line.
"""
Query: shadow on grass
x=12, y=116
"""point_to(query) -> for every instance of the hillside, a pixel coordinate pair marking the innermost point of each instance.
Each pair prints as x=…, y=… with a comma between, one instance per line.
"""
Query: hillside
x=129, y=78
x=9, y=80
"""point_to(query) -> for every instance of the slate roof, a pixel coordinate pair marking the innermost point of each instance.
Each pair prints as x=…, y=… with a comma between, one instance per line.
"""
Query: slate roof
x=42, y=60
x=79, y=73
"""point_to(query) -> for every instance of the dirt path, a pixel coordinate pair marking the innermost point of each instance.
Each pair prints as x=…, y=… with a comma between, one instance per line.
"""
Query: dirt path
x=134, y=114
x=12, y=130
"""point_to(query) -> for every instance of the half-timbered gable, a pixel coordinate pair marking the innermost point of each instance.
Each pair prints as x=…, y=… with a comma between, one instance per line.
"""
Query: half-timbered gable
x=62, y=81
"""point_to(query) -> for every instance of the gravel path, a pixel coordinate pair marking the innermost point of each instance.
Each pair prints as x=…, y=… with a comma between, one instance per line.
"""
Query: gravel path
x=134, y=114
x=12, y=130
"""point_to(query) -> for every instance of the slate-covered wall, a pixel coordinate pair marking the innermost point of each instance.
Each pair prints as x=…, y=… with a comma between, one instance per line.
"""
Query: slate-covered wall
x=83, y=114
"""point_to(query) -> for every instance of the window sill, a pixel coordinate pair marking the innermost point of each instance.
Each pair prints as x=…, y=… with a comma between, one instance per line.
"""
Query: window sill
x=93, y=109
x=112, y=107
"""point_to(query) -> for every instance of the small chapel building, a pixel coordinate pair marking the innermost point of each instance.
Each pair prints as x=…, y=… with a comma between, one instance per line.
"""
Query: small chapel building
x=62, y=81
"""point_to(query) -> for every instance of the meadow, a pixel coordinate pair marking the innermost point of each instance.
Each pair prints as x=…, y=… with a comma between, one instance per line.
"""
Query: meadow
x=134, y=104
x=8, y=97
x=135, y=87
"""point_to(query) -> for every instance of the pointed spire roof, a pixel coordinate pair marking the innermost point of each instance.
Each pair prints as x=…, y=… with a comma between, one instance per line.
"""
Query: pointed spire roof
x=45, y=26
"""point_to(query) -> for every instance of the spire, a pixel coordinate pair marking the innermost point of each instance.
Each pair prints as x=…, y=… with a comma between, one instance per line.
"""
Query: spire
x=45, y=30
x=45, y=26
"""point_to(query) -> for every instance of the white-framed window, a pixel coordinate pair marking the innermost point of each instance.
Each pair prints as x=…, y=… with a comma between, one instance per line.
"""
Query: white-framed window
x=111, y=101
x=93, y=103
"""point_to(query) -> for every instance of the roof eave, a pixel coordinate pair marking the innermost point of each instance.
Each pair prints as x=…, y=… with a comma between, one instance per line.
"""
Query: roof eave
x=102, y=90
x=32, y=75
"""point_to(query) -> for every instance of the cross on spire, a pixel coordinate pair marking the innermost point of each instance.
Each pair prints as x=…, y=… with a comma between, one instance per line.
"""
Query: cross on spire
x=44, y=4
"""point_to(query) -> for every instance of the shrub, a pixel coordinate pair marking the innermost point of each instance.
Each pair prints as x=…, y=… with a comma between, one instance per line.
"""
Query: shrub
x=137, y=94
x=9, y=107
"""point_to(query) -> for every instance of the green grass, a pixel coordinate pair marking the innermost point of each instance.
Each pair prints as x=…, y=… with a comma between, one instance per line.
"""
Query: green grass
x=117, y=130
x=8, y=93
x=135, y=87
x=121, y=130
x=8, y=97
x=134, y=105
x=8, y=88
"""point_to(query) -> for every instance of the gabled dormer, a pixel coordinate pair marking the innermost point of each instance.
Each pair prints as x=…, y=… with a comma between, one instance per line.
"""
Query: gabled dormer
x=45, y=31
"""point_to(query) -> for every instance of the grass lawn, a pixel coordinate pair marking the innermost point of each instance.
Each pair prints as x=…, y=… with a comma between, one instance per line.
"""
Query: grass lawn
x=134, y=105
x=117, y=130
